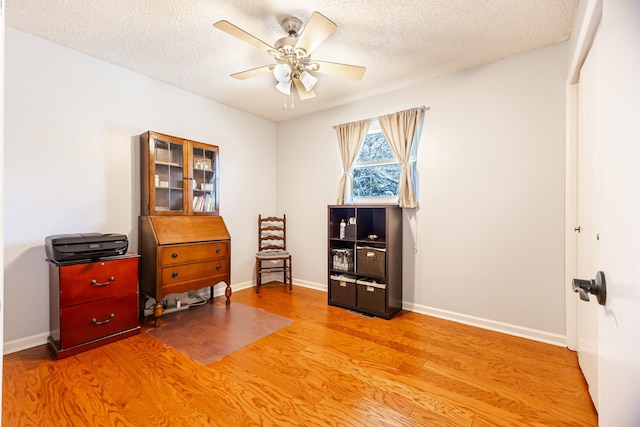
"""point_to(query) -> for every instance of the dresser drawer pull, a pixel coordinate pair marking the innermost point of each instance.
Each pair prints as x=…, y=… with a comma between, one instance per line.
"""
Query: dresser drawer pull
x=103, y=322
x=95, y=283
x=218, y=267
x=174, y=274
x=174, y=255
x=217, y=250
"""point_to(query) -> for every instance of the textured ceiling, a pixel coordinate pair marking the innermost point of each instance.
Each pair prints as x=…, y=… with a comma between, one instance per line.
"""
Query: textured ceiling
x=400, y=43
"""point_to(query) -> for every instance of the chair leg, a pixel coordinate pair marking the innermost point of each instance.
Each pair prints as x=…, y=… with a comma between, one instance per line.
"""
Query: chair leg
x=290, y=269
x=285, y=271
x=258, y=282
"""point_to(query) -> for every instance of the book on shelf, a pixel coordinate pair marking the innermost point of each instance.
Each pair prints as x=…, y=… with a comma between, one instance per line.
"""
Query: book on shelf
x=203, y=203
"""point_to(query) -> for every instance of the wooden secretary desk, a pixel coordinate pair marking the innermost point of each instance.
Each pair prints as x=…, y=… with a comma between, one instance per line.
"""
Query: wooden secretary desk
x=184, y=243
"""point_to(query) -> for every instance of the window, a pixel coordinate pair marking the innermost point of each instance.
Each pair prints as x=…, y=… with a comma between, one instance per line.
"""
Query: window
x=376, y=171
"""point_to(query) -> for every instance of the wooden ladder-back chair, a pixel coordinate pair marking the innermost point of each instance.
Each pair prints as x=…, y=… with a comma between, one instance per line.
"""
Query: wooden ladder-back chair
x=272, y=255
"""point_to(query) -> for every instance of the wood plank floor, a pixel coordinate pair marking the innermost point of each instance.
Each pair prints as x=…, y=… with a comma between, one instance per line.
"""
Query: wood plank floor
x=328, y=368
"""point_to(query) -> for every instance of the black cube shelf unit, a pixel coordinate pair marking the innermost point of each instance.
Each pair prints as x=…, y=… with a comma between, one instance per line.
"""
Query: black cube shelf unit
x=365, y=266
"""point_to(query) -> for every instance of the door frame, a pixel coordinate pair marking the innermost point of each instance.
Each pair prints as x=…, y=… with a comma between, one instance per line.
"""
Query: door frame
x=586, y=23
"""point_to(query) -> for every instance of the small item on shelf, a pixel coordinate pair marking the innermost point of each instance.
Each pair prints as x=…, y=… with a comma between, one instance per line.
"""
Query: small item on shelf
x=164, y=184
x=373, y=237
x=342, y=259
x=343, y=228
x=157, y=181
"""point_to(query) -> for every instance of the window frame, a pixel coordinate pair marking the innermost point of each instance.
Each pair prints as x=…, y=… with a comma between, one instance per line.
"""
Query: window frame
x=374, y=128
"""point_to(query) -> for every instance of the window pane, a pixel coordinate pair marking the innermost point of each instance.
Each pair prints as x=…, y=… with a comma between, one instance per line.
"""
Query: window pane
x=376, y=181
x=375, y=147
x=414, y=148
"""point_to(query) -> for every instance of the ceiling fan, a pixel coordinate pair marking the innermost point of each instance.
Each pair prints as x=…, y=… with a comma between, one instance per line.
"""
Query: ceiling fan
x=293, y=55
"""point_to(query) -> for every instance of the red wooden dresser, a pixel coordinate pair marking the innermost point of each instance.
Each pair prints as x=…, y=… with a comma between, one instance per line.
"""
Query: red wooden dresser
x=92, y=303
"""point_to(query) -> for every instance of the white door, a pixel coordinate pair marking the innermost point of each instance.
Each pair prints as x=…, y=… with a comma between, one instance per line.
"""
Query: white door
x=1, y=190
x=609, y=213
x=589, y=199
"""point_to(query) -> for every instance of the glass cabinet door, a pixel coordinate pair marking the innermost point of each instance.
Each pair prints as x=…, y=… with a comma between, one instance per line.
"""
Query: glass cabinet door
x=178, y=176
x=167, y=170
x=203, y=166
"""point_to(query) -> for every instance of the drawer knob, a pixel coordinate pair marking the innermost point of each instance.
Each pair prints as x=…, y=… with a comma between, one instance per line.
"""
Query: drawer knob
x=218, y=267
x=97, y=284
x=174, y=255
x=174, y=274
x=217, y=250
x=103, y=322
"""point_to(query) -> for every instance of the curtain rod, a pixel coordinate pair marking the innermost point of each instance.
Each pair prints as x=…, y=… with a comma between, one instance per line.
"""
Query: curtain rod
x=423, y=108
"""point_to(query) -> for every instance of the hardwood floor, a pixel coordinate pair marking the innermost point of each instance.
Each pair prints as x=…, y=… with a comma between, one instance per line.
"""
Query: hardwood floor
x=329, y=367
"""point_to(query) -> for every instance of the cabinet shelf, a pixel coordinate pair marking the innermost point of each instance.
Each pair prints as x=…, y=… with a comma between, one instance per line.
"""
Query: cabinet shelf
x=373, y=281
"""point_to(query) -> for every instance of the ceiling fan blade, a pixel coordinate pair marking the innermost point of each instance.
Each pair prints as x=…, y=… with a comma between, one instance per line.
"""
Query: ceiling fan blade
x=302, y=92
x=353, y=72
x=315, y=32
x=243, y=75
x=231, y=29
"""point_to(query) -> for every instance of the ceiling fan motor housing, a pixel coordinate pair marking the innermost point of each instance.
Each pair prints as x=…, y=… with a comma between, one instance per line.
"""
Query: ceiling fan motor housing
x=291, y=26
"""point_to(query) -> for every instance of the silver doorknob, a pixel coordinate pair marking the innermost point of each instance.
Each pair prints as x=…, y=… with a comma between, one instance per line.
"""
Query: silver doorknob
x=597, y=287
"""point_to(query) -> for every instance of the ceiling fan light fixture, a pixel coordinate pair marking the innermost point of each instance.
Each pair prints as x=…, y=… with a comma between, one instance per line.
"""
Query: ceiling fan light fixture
x=308, y=81
x=293, y=55
x=284, y=87
x=282, y=73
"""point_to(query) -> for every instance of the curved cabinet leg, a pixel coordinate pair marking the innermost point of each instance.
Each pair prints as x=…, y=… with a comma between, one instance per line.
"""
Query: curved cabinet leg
x=227, y=294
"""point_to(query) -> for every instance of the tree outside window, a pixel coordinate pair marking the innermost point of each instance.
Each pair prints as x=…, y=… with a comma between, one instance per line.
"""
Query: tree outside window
x=376, y=171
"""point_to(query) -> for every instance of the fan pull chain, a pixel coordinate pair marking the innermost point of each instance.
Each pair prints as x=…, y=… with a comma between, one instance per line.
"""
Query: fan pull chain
x=293, y=107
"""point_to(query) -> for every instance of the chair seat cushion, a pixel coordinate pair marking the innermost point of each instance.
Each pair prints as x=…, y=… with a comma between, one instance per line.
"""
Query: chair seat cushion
x=272, y=254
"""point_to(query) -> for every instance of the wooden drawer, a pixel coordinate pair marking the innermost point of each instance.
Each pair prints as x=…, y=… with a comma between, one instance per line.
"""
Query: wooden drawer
x=343, y=291
x=371, y=297
x=182, y=254
x=80, y=283
x=86, y=322
x=371, y=261
x=183, y=273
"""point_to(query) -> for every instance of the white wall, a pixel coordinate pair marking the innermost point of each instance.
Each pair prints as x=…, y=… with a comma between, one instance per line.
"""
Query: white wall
x=71, y=164
x=490, y=228
x=489, y=232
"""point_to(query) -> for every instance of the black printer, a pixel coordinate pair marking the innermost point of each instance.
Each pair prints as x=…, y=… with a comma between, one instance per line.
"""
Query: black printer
x=85, y=246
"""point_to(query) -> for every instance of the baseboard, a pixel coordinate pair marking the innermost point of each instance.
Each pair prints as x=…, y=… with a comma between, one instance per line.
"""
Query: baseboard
x=505, y=328
x=492, y=325
x=25, y=343
x=310, y=285
x=296, y=282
